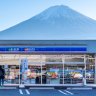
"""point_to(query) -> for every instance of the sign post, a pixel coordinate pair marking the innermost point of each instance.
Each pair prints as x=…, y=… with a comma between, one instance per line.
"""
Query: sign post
x=24, y=65
x=23, y=69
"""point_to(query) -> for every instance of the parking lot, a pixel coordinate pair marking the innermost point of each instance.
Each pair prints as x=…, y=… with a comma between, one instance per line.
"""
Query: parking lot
x=46, y=92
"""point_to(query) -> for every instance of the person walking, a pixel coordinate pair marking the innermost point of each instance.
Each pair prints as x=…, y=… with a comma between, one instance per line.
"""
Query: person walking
x=2, y=76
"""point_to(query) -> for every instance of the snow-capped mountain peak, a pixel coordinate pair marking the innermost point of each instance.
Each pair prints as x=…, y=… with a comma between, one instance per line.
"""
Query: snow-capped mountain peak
x=57, y=22
x=58, y=12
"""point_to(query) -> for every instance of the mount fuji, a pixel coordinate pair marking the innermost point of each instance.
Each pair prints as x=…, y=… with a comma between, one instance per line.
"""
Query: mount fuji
x=55, y=23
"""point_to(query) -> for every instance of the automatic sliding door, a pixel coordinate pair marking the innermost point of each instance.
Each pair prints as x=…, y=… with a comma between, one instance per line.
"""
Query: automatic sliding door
x=52, y=70
x=74, y=70
x=73, y=73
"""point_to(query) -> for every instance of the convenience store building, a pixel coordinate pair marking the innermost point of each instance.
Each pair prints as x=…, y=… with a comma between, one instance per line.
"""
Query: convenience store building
x=48, y=62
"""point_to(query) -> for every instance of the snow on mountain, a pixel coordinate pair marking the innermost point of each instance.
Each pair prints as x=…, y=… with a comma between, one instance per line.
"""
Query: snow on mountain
x=57, y=22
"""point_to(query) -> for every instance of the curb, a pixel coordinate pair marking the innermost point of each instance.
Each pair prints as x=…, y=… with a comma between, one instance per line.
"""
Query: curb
x=80, y=88
x=41, y=88
x=8, y=87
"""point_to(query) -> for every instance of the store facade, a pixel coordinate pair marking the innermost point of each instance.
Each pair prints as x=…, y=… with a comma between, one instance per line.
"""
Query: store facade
x=48, y=62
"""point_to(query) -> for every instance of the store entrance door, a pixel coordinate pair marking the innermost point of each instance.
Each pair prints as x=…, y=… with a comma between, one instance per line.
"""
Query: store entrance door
x=74, y=70
x=74, y=74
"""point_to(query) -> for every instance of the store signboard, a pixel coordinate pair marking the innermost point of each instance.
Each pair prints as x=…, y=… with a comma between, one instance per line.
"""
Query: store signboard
x=43, y=49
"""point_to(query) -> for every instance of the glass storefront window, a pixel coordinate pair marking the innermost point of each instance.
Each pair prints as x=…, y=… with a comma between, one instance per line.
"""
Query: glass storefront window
x=52, y=74
x=49, y=69
x=32, y=75
x=90, y=71
x=12, y=74
x=73, y=74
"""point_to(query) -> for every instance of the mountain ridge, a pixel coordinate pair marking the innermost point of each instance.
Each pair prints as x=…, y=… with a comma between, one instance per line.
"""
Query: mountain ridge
x=54, y=21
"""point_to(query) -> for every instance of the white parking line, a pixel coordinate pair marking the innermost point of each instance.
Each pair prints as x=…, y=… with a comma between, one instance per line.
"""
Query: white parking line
x=27, y=92
x=62, y=92
x=69, y=92
x=21, y=92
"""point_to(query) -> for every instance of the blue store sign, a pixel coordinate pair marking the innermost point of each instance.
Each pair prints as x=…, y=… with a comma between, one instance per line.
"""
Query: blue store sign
x=43, y=49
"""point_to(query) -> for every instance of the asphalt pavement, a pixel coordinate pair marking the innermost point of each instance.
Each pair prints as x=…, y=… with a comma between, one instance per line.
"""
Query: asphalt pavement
x=46, y=92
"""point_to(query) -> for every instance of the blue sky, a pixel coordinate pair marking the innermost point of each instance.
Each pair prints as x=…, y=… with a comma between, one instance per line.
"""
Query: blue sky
x=13, y=12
